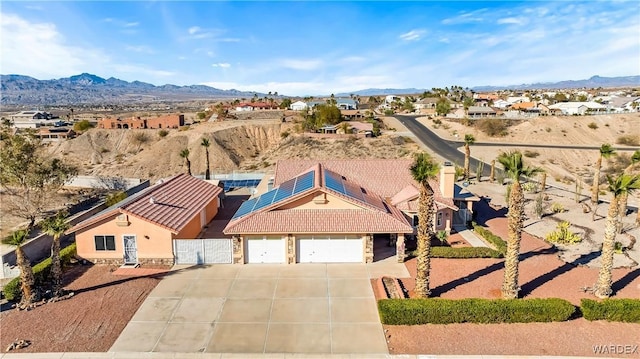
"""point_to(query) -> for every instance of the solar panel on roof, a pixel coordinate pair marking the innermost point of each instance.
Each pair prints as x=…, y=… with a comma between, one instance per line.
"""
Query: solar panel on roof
x=285, y=190
x=265, y=200
x=332, y=181
x=245, y=208
x=304, y=182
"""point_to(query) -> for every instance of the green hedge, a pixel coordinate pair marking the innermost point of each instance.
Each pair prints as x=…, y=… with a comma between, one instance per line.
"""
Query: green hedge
x=499, y=243
x=41, y=272
x=613, y=310
x=465, y=252
x=473, y=310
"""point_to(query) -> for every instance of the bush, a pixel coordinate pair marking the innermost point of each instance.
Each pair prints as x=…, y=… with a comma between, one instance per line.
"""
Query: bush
x=473, y=310
x=497, y=242
x=465, y=252
x=82, y=126
x=115, y=197
x=493, y=127
x=593, y=125
x=531, y=154
x=613, y=310
x=163, y=133
x=40, y=273
x=557, y=208
x=628, y=140
x=563, y=235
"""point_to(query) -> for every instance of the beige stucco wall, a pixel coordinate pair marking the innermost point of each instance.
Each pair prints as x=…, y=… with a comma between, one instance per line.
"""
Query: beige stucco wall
x=193, y=228
x=157, y=245
x=316, y=201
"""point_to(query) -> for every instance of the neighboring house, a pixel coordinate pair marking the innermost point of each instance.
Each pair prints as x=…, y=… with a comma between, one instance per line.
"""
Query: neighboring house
x=167, y=121
x=30, y=119
x=298, y=106
x=346, y=104
x=389, y=99
x=624, y=104
x=426, y=105
x=146, y=227
x=518, y=99
x=579, y=108
x=330, y=211
x=55, y=134
x=352, y=114
x=244, y=107
x=480, y=112
x=500, y=103
x=361, y=128
x=253, y=106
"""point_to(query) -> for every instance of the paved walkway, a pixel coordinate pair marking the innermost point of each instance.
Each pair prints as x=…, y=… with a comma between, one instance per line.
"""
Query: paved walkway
x=301, y=308
x=472, y=239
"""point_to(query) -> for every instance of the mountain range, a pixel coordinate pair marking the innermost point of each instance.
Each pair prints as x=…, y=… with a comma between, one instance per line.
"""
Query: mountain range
x=91, y=89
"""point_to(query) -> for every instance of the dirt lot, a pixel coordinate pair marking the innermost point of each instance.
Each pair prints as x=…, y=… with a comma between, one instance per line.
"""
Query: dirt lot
x=90, y=321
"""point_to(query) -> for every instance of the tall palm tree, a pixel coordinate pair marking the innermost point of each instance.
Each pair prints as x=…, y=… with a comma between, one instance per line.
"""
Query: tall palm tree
x=543, y=182
x=606, y=151
x=27, y=281
x=492, y=176
x=625, y=183
x=514, y=167
x=624, y=198
x=55, y=227
x=205, y=143
x=185, y=154
x=423, y=169
x=468, y=140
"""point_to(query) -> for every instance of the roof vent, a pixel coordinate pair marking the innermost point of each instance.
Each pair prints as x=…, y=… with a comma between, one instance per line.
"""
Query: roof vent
x=152, y=200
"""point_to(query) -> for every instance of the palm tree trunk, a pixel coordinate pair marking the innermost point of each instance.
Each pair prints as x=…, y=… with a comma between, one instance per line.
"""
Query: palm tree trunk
x=543, y=184
x=56, y=267
x=425, y=232
x=207, y=174
x=595, y=190
x=622, y=210
x=492, y=176
x=467, y=155
x=26, y=278
x=603, y=286
x=511, y=260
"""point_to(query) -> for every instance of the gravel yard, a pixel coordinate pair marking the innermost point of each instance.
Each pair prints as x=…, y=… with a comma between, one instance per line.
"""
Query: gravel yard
x=90, y=321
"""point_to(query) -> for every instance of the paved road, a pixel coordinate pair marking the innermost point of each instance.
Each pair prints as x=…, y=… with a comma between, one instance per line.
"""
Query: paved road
x=444, y=148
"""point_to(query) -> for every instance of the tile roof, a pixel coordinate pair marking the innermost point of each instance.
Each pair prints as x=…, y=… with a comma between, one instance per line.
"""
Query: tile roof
x=320, y=221
x=170, y=204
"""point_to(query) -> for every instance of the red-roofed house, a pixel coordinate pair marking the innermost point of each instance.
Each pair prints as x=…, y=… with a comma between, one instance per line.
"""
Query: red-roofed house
x=329, y=211
x=144, y=227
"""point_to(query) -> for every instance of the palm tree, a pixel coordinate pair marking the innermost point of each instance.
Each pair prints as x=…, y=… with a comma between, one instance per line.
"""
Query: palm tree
x=468, y=140
x=492, y=176
x=27, y=281
x=514, y=168
x=205, y=143
x=624, y=198
x=185, y=154
x=55, y=227
x=606, y=151
x=423, y=169
x=625, y=183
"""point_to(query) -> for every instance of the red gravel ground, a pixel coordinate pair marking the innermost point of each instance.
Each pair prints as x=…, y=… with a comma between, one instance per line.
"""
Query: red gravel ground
x=542, y=275
x=90, y=321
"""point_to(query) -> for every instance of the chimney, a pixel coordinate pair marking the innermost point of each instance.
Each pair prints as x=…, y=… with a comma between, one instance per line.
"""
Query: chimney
x=447, y=179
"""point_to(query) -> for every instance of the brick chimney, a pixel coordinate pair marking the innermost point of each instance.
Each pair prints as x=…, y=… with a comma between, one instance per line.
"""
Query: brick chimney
x=447, y=179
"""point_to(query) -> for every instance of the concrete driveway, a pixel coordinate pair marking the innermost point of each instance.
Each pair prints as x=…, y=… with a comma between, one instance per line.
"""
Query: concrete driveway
x=301, y=308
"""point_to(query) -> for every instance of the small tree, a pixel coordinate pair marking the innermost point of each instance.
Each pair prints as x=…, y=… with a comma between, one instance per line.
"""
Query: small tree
x=55, y=227
x=82, y=126
x=624, y=197
x=27, y=281
x=443, y=106
x=185, y=154
x=468, y=141
x=205, y=143
x=606, y=151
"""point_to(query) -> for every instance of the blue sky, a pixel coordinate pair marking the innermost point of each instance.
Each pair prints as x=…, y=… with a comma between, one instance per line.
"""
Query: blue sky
x=307, y=48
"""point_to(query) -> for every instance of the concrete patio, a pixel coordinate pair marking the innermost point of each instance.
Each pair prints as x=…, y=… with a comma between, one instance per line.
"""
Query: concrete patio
x=302, y=308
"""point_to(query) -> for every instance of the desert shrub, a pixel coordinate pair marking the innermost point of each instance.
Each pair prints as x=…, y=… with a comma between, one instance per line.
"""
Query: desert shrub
x=40, y=273
x=442, y=236
x=82, y=126
x=629, y=140
x=284, y=134
x=437, y=121
x=184, y=128
x=613, y=310
x=497, y=242
x=563, y=235
x=493, y=127
x=115, y=197
x=388, y=112
x=530, y=187
x=163, y=133
x=473, y=310
x=465, y=252
x=531, y=154
x=538, y=207
x=104, y=150
x=557, y=207
x=593, y=125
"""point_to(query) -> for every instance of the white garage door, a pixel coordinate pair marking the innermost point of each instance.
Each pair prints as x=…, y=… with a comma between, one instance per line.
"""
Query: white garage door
x=265, y=249
x=330, y=249
x=203, y=251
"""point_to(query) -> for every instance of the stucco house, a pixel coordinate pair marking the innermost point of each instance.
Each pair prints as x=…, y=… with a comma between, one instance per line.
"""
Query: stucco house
x=144, y=227
x=298, y=106
x=330, y=211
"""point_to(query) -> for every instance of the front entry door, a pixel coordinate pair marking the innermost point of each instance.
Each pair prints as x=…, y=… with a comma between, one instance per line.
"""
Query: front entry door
x=130, y=250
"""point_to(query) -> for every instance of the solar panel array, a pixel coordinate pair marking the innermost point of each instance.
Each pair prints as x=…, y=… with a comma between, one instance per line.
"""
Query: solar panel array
x=229, y=184
x=284, y=191
x=337, y=183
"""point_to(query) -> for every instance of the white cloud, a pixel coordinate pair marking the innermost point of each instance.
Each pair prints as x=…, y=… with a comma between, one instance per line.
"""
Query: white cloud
x=193, y=30
x=131, y=24
x=140, y=49
x=303, y=65
x=412, y=35
x=466, y=17
x=511, y=21
x=196, y=32
x=224, y=65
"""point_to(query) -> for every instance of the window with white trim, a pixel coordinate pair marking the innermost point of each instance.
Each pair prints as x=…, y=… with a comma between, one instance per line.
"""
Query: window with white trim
x=105, y=243
x=439, y=221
